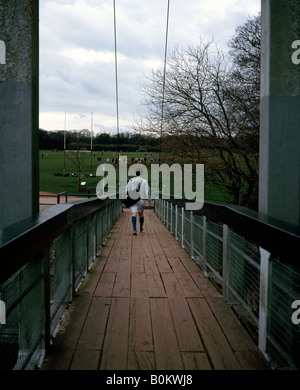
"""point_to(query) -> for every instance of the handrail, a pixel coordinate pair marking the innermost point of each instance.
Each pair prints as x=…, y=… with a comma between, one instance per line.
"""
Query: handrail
x=25, y=239
x=43, y=262
x=61, y=194
x=251, y=259
x=278, y=237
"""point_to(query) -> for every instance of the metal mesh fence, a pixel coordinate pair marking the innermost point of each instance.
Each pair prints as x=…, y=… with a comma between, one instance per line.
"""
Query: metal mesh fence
x=179, y=224
x=91, y=239
x=169, y=215
x=108, y=218
x=44, y=287
x=198, y=239
x=105, y=222
x=233, y=264
x=99, y=229
x=214, y=249
x=80, y=252
x=21, y=338
x=173, y=230
x=283, y=334
x=60, y=277
x=244, y=281
x=187, y=232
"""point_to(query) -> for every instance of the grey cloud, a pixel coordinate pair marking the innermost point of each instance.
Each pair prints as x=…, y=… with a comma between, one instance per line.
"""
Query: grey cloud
x=67, y=85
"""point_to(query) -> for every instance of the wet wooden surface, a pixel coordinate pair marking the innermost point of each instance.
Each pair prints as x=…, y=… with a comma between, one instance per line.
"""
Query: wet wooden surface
x=146, y=305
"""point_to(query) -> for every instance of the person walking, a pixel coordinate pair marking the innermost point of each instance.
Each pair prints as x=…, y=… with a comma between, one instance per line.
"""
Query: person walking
x=139, y=184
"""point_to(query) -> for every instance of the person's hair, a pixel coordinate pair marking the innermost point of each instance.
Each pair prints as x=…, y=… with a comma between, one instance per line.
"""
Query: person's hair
x=138, y=173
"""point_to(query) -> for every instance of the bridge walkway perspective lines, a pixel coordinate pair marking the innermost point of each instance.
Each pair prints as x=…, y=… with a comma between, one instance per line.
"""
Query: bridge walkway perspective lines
x=146, y=305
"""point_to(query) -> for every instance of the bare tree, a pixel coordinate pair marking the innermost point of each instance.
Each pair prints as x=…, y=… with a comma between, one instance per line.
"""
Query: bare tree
x=77, y=158
x=245, y=47
x=211, y=115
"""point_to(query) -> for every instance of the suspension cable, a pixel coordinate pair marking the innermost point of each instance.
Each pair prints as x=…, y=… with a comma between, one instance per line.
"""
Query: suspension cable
x=164, y=74
x=116, y=70
x=164, y=78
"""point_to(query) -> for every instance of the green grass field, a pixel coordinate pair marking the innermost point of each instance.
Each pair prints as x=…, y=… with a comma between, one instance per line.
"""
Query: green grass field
x=54, y=164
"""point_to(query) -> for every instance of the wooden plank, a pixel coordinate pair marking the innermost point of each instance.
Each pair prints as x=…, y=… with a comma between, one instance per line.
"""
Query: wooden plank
x=140, y=360
x=163, y=264
x=172, y=248
x=125, y=242
x=201, y=281
x=140, y=330
x=120, y=241
x=91, y=280
x=122, y=282
x=150, y=266
x=137, y=244
x=105, y=285
x=61, y=352
x=137, y=264
x=112, y=261
x=85, y=360
x=95, y=325
x=147, y=251
x=191, y=266
x=126, y=253
x=114, y=355
x=156, y=247
x=104, y=251
x=205, y=285
x=163, y=235
x=137, y=261
x=166, y=247
x=246, y=350
x=160, y=332
x=195, y=361
x=122, y=285
x=119, y=250
x=172, y=285
x=187, y=284
x=234, y=330
x=155, y=286
x=138, y=285
x=186, y=330
x=166, y=349
x=215, y=342
x=124, y=266
x=176, y=263
x=251, y=360
x=156, y=242
x=108, y=243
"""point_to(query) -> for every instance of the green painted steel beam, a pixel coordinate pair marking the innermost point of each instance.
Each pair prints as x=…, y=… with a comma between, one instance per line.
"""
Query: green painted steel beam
x=19, y=110
x=279, y=182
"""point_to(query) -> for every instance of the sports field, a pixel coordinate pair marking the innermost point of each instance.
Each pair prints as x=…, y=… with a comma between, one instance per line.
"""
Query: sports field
x=59, y=173
x=59, y=170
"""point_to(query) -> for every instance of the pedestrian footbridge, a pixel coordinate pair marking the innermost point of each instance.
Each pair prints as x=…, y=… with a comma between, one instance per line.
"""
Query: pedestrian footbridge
x=205, y=290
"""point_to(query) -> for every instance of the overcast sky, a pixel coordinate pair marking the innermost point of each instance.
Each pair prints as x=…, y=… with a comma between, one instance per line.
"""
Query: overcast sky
x=77, y=71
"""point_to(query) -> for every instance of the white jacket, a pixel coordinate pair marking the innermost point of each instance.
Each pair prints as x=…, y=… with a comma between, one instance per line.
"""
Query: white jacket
x=144, y=192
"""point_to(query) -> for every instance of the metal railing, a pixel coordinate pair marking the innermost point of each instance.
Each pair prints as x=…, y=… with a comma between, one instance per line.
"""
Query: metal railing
x=254, y=263
x=89, y=193
x=43, y=261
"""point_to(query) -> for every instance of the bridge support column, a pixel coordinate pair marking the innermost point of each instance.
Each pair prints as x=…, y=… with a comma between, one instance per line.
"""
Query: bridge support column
x=279, y=182
x=19, y=111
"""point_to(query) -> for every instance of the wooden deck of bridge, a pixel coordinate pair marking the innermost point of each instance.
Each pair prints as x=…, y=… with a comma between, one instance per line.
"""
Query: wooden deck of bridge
x=146, y=305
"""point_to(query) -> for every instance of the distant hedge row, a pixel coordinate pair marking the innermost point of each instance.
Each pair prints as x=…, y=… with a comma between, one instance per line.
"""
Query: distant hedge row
x=49, y=140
